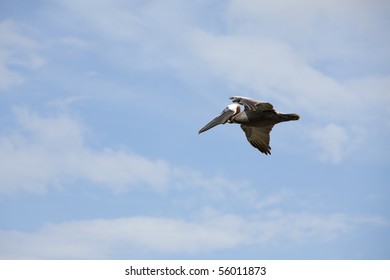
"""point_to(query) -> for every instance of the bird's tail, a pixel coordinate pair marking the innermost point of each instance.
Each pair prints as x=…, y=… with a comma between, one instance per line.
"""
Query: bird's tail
x=289, y=117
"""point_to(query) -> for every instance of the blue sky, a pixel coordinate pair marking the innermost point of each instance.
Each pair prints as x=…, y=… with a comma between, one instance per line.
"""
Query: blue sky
x=100, y=106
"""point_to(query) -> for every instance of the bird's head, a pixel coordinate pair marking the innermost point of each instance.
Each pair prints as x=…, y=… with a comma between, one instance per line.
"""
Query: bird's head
x=235, y=108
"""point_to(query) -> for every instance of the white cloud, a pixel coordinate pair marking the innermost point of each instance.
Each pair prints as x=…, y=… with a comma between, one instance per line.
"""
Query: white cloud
x=16, y=49
x=73, y=42
x=273, y=68
x=7, y=78
x=333, y=140
x=322, y=25
x=373, y=92
x=275, y=71
x=12, y=36
x=43, y=152
x=125, y=21
x=137, y=237
x=49, y=150
x=336, y=141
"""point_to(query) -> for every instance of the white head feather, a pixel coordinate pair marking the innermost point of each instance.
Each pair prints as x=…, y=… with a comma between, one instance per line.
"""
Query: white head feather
x=234, y=107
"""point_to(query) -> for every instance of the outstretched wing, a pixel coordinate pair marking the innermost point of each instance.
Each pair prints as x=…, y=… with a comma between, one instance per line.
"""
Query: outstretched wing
x=252, y=104
x=259, y=137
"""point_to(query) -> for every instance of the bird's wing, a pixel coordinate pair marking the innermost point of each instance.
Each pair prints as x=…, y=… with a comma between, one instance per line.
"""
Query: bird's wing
x=258, y=137
x=252, y=104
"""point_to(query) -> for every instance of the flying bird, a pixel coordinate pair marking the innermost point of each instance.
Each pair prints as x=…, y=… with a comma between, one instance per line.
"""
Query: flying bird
x=256, y=120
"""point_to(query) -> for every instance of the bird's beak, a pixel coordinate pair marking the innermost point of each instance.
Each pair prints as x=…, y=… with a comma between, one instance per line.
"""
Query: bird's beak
x=221, y=119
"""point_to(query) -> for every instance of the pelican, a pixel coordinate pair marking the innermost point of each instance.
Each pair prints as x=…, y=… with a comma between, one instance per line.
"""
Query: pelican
x=256, y=120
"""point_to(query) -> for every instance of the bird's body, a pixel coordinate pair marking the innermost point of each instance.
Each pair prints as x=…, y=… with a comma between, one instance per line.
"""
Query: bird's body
x=260, y=118
x=256, y=120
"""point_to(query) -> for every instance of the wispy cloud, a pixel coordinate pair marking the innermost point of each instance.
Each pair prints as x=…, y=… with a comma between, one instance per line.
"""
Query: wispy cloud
x=16, y=49
x=272, y=69
x=138, y=237
x=46, y=151
x=73, y=42
x=337, y=141
x=269, y=67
